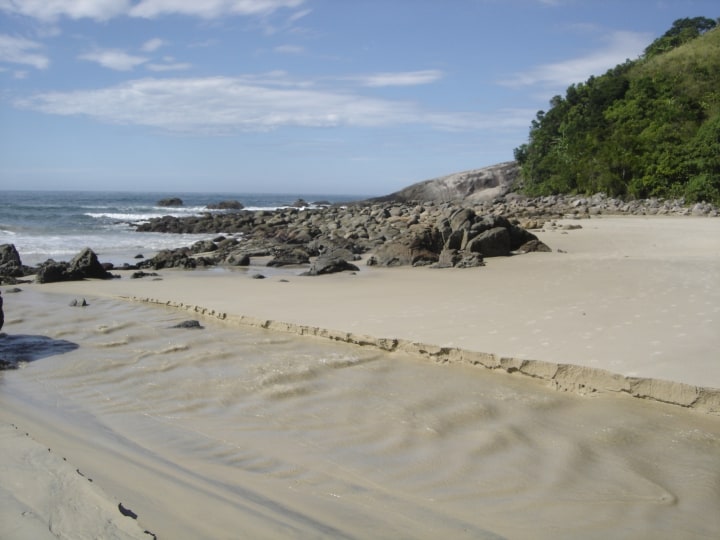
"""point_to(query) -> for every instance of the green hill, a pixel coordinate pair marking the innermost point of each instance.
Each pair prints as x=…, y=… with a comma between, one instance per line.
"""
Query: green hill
x=646, y=128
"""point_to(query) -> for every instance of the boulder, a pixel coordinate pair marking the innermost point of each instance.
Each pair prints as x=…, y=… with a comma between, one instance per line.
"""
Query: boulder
x=170, y=202
x=52, y=272
x=86, y=265
x=289, y=258
x=329, y=264
x=10, y=264
x=532, y=246
x=226, y=205
x=492, y=243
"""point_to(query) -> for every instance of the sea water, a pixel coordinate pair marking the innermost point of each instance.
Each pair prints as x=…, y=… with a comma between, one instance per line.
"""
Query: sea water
x=59, y=224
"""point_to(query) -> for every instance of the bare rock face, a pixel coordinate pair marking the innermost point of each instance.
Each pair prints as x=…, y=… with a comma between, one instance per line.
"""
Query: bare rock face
x=472, y=186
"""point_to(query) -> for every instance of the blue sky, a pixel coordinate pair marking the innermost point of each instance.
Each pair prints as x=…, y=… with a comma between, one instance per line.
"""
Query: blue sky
x=301, y=96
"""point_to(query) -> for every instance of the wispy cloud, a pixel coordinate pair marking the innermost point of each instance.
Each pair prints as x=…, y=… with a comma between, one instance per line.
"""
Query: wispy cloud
x=169, y=65
x=289, y=49
x=402, y=78
x=51, y=10
x=102, y=10
x=17, y=50
x=114, y=59
x=223, y=105
x=619, y=47
x=152, y=45
x=209, y=9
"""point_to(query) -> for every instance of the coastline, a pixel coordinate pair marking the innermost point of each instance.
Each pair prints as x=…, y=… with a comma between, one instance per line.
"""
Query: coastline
x=622, y=304
x=587, y=318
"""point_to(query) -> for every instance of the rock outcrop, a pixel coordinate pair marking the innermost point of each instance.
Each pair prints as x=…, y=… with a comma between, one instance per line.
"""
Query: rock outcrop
x=170, y=202
x=395, y=234
x=472, y=186
x=85, y=265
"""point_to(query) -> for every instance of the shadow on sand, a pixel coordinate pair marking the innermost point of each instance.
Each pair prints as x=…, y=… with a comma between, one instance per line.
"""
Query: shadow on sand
x=15, y=349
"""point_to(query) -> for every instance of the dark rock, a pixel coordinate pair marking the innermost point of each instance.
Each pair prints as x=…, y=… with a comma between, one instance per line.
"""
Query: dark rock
x=258, y=276
x=2, y=313
x=139, y=256
x=127, y=512
x=226, y=205
x=204, y=246
x=300, y=203
x=492, y=243
x=329, y=264
x=10, y=264
x=52, y=272
x=86, y=265
x=289, y=258
x=532, y=246
x=191, y=324
x=141, y=274
x=470, y=260
x=78, y=303
x=238, y=259
x=170, y=202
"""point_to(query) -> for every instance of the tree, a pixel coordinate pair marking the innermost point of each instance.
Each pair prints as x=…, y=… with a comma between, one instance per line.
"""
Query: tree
x=682, y=31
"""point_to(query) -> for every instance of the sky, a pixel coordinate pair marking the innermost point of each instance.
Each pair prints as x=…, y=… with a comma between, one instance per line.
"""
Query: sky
x=293, y=96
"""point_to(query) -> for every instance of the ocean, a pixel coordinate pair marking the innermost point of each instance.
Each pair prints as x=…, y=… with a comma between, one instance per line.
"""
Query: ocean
x=58, y=224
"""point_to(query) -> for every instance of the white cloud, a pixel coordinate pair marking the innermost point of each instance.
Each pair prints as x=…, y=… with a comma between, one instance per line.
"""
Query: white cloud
x=169, y=66
x=620, y=47
x=403, y=78
x=152, y=45
x=102, y=10
x=209, y=9
x=222, y=105
x=114, y=59
x=50, y=10
x=289, y=49
x=22, y=51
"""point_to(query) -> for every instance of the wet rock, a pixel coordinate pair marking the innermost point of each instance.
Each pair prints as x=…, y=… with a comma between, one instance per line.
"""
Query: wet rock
x=226, y=205
x=330, y=264
x=170, y=202
x=189, y=324
x=10, y=264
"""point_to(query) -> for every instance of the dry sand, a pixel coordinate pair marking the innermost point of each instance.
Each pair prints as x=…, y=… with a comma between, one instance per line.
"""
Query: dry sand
x=404, y=450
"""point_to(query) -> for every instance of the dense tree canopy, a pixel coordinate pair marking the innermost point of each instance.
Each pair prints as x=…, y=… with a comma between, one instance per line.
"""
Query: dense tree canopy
x=648, y=127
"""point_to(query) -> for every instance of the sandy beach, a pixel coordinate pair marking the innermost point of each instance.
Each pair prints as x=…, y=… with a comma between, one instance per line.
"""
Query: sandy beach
x=244, y=429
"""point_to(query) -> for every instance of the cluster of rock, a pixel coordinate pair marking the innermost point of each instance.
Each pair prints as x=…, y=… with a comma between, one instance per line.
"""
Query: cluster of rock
x=84, y=265
x=330, y=239
x=442, y=235
x=576, y=206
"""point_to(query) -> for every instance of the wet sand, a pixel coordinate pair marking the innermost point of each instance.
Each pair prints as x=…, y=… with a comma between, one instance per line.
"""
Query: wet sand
x=235, y=431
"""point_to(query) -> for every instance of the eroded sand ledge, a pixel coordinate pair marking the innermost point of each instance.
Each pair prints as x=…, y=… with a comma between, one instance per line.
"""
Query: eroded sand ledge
x=562, y=377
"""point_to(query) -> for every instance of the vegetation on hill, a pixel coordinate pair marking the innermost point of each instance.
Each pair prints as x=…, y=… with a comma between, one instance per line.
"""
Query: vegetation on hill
x=647, y=128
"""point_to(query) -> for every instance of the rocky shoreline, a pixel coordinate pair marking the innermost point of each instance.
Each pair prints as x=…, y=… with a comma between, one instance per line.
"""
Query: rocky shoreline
x=330, y=239
x=449, y=234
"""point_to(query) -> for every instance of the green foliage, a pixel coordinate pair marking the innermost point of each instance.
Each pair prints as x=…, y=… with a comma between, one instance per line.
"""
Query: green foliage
x=647, y=128
x=682, y=31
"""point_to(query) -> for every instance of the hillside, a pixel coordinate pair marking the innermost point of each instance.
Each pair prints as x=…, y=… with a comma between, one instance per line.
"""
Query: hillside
x=646, y=128
x=471, y=186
